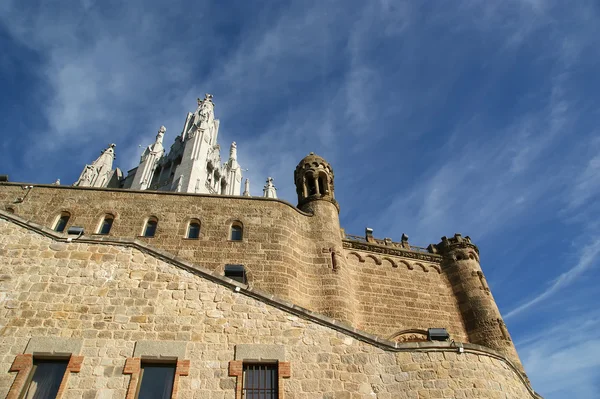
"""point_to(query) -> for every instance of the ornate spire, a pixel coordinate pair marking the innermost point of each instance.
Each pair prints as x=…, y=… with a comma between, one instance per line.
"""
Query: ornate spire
x=96, y=174
x=246, y=192
x=269, y=191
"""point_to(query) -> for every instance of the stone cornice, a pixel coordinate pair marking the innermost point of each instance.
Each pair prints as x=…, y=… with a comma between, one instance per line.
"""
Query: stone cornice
x=288, y=307
x=382, y=249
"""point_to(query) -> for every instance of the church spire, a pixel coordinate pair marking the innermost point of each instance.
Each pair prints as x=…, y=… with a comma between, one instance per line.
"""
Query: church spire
x=269, y=191
x=99, y=172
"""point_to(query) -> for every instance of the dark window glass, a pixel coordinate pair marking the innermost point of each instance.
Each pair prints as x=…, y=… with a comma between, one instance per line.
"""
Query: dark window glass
x=106, y=225
x=194, y=230
x=150, y=228
x=260, y=381
x=62, y=223
x=46, y=378
x=236, y=233
x=236, y=272
x=156, y=381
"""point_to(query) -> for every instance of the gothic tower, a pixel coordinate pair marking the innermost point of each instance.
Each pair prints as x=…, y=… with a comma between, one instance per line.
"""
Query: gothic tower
x=200, y=170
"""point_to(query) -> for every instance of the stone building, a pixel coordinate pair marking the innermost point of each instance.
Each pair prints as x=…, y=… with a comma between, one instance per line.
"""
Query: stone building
x=167, y=283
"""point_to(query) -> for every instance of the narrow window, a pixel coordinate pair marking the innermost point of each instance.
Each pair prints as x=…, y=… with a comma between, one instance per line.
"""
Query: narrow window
x=321, y=185
x=312, y=189
x=237, y=232
x=106, y=224
x=236, y=272
x=45, y=378
x=150, y=228
x=156, y=381
x=193, y=230
x=61, y=223
x=260, y=381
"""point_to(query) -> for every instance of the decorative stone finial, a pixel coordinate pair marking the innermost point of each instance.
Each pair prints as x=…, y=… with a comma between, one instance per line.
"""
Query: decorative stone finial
x=269, y=191
x=246, y=192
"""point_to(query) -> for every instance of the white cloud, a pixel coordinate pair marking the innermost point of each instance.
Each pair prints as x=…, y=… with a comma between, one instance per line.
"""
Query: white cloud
x=563, y=360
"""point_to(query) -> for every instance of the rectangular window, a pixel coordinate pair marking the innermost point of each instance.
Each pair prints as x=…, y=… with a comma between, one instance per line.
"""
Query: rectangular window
x=156, y=381
x=236, y=272
x=45, y=378
x=260, y=381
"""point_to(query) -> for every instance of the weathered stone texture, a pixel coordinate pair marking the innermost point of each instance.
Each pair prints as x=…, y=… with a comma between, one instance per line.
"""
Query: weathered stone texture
x=286, y=252
x=119, y=295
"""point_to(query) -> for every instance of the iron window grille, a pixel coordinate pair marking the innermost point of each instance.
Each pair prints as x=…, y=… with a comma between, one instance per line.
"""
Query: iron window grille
x=260, y=381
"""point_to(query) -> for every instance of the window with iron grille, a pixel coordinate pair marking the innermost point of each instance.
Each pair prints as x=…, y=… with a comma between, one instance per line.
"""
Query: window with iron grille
x=260, y=381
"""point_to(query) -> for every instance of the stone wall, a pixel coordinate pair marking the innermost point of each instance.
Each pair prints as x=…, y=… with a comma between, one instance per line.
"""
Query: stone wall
x=287, y=252
x=386, y=279
x=111, y=296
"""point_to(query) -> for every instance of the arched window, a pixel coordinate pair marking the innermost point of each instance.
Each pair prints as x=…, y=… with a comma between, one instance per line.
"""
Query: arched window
x=61, y=222
x=150, y=227
x=310, y=182
x=321, y=185
x=236, y=272
x=237, y=232
x=193, y=230
x=106, y=224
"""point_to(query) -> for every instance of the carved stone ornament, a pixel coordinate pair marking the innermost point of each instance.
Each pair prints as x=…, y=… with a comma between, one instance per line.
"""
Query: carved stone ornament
x=412, y=335
x=392, y=251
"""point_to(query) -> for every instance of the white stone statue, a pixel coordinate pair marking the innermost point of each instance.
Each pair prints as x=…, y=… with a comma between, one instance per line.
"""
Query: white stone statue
x=161, y=134
x=269, y=191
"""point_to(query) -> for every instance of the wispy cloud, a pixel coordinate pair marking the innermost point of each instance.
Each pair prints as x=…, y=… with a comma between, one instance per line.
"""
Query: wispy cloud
x=473, y=116
x=587, y=258
x=562, y=359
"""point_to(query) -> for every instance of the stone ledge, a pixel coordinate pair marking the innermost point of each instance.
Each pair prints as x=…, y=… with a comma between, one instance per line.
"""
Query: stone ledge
x=54, y=346
x=259, y=352
x=160, y=349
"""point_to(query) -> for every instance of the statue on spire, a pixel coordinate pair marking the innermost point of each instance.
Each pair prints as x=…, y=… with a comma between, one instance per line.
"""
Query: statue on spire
x=233, y=151
x=269, y=191
x=161, y=134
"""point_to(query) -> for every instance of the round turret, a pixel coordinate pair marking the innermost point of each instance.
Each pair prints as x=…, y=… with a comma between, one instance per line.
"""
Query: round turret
x=483, y=321
x=314, y=180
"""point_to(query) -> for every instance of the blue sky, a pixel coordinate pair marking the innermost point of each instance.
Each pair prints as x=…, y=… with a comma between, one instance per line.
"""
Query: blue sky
x=479, y=117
